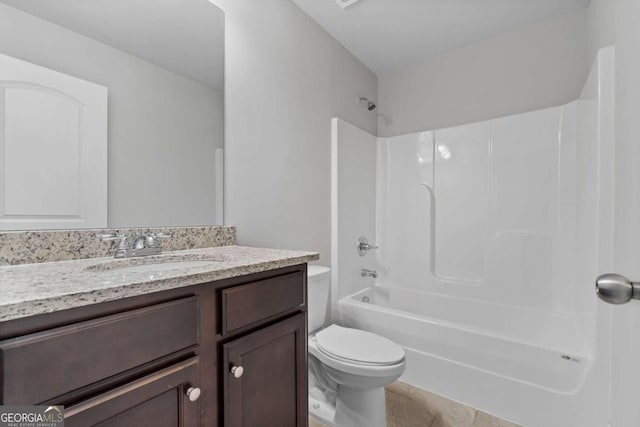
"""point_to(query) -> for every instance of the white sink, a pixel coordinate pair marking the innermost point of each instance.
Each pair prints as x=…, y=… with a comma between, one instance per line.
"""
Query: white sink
x=162, y=267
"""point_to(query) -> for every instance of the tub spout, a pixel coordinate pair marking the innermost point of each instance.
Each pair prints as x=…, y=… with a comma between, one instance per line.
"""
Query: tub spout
x=369, y=273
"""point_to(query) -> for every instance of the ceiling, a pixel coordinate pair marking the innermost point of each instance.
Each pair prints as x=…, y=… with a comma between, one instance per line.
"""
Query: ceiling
x=390, y=34
x=184, y=36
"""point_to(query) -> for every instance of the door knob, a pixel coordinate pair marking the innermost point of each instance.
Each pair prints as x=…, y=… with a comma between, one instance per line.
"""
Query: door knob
x=193, y=393
x=617, y=289
x=237, y=371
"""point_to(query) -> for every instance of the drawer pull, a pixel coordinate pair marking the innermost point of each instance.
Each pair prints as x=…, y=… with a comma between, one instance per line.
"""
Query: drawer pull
x=237, y=371
x=193, y=393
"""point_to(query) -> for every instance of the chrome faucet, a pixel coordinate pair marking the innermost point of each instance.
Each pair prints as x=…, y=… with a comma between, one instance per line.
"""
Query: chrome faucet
x=149, y=241
x=143, y=245
x=369, y=273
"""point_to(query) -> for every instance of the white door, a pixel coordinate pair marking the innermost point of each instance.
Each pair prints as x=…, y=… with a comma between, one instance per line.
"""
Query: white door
x=624, y=407
x=53, y=149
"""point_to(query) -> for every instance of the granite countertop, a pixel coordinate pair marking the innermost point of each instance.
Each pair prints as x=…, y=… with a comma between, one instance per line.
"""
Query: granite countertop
x=31, y=289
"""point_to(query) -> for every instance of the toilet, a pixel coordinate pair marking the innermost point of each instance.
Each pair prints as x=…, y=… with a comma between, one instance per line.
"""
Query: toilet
x=348, y=368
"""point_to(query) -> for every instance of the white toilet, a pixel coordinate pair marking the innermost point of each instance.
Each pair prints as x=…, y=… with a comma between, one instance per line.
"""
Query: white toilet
x=349, y=367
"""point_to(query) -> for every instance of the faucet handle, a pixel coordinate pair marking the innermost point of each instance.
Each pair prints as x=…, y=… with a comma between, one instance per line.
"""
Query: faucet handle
x=123, y=246
x=115, y=236
x=364, y=246
x=152, y=240
x=110, y=236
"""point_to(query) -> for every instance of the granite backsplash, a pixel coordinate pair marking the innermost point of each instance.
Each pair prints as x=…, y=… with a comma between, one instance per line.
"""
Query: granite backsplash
x=27, y=247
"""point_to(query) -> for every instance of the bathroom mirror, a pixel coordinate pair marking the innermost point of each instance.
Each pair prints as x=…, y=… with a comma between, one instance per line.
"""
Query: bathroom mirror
x=111, y=113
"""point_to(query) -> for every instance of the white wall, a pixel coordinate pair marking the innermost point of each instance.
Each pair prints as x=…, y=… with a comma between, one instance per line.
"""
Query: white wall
x=353, y=207
x=537, y=67
x=163, y=128
x=285, y=79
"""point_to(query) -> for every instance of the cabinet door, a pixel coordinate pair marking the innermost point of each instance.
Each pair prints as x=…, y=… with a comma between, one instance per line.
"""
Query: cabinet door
x=268, y=387
x=162, y=399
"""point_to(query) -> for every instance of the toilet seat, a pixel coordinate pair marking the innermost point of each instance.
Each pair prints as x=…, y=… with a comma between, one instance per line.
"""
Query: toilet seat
x=358, y=347
x=382, y=366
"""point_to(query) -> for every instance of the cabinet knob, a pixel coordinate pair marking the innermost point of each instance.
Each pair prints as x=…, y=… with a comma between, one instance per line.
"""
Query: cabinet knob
x=193, y=393
x=237, y=371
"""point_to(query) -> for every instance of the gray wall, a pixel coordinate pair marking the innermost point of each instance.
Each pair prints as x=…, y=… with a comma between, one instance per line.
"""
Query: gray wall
x=163, y=128
x=540, y=66
x=285, y=79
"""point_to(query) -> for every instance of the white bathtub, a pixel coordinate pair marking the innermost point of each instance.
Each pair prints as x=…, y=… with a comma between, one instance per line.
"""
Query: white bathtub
x=522, y=364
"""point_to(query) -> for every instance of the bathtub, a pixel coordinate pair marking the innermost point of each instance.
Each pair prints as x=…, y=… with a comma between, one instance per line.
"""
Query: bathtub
x=523, y=364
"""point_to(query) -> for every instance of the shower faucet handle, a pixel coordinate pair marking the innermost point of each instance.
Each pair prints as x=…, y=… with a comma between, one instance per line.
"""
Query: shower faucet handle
x=616, y=289
x=364, y=246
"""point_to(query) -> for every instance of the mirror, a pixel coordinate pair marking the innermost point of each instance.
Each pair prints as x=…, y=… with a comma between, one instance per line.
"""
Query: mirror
x=111, y=113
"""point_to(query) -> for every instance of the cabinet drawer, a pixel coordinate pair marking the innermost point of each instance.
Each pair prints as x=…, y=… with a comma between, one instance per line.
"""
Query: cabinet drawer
x=157, y=400
x=44, y=365
x=259, y=301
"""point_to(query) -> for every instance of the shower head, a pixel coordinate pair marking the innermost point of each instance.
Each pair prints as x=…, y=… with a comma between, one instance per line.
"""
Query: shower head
x=370, y=104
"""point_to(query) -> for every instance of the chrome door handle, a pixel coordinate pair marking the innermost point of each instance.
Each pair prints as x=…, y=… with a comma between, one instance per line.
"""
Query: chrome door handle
x=616, y=289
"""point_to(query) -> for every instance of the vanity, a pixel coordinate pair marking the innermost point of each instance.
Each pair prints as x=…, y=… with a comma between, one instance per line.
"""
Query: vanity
x=112, y=120
x=222, y=342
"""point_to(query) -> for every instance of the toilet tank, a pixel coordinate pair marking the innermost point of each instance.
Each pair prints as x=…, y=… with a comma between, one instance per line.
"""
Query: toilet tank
x=318, y=300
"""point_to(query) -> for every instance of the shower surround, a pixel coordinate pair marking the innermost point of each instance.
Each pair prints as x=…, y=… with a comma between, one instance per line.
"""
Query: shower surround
x=491, y=235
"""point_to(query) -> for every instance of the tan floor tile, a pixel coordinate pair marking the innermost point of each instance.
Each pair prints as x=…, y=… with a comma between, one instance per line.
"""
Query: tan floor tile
x=447, y=412
x=313, y=422
x=443, y=420
x=486, y=420
x=403, y=410
x=408, y=406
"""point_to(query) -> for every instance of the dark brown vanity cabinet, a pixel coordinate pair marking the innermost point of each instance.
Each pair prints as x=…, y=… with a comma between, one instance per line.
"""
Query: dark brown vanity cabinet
x=227, y=353
x=267, y=376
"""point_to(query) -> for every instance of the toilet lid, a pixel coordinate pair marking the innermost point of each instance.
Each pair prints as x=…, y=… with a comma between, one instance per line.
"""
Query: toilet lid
x=358, y=346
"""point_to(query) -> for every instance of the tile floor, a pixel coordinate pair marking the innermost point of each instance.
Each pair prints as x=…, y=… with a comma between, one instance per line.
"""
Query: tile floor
x=315, y=423
x=408, y=406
